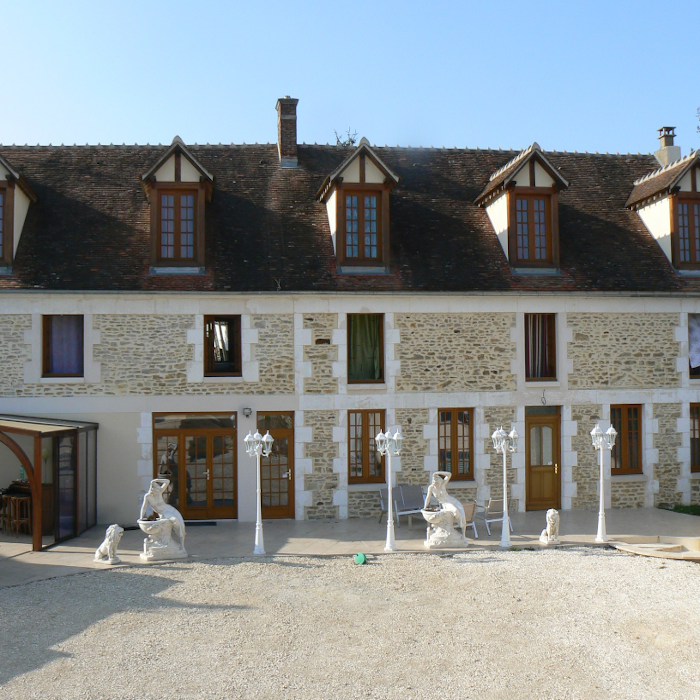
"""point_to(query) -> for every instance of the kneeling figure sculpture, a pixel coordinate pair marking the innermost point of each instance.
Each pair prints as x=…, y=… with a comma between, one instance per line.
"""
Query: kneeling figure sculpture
x=550, y=535
x=159, y=543
x=446, y=517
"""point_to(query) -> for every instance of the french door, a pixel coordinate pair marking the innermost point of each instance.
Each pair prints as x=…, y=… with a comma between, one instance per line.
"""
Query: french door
x=198, y=454
x=278, y=469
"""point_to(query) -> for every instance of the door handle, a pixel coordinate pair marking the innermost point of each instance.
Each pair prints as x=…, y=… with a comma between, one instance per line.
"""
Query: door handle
x=207, y=474
x=288, y=474
x=556, y=468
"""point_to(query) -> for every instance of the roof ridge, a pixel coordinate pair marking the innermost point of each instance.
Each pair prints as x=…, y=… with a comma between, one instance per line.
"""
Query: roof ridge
x=513, y=161
x=658, y=171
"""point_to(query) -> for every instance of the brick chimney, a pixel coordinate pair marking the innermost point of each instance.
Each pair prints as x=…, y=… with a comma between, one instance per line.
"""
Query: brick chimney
x=668, y=153
x=287, y=131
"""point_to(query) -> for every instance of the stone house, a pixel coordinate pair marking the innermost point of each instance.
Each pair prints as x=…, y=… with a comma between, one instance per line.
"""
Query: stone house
x=182, y=296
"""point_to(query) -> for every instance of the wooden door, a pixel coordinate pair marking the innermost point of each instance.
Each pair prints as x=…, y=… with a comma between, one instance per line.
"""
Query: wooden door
x=278, y=469
x=543, y=458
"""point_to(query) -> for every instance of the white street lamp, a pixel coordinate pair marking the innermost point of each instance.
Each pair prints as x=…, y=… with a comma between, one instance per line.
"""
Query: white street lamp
x=601, y=440
x=388, y=444
x=505, y=444
x=257, y=446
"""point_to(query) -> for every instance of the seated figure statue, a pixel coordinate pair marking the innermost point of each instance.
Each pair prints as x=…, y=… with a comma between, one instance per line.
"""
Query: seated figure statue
x=449, y=515
x=159, y=544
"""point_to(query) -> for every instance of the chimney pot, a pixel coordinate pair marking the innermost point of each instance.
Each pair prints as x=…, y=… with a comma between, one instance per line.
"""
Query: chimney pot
x=287, y=131
x=667, y=153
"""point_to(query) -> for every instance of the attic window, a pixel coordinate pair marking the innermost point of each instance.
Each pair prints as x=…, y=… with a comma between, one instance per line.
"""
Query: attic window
x=2, y=224
x=533, y=228
x=686, y=229
x=363, y=227
x=176, y=219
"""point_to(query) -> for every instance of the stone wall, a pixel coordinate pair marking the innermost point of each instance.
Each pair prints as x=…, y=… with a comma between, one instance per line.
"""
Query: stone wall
x=364, y=504
x=455, y=352
x=321, y=354
x=147, y=355
x=322, y=481
x=630, y=351
x=497, y=416
x=415, y=447
x=586, y=473
x=668, y=469
x=695, y=492
x=14, y=354
x=627, y=494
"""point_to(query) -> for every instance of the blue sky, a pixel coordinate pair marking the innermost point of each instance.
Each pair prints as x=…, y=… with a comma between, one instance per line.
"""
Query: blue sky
x=597, y=76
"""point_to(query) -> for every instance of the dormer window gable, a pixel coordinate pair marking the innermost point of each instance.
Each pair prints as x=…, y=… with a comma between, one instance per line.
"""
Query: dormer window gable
x=177, y=187
x=668, y=202
x=522, y=202
x=356, y=195
x=15, y=197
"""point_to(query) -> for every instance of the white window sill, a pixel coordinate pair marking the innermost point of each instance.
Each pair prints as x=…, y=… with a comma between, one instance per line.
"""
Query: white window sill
x=5, y=269
x=378, y=388
x=536, y=271
x=360, y=270
x=628, y=478
x=163, y=270
x=470, y=483
x=61, y=380
x=688, y=273
x=541, y=383
x=695, y=476
x=222, y=380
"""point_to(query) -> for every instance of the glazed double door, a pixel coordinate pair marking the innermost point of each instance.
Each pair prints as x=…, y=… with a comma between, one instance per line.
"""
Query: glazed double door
x=277, y=470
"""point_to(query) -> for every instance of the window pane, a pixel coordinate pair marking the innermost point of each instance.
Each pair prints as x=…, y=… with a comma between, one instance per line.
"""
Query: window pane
x=352, y=238
x=463, y=443
x=167, y=226
x=616, y=422
x=445, y=441
x=374, y=425
x=186, y=226
x=695, y=438
x=2, y=221
x=539, y=214
x=522, y=228
x=696, y=232
x=683, y=232
x=65, y=352
x=355, y=443
x=540, y=346
x=365, y=351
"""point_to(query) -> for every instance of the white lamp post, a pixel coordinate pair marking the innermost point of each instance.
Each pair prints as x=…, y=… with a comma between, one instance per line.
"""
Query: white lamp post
x=388, y=444
x=602, y=439
x=505, y=444
x=257, y=446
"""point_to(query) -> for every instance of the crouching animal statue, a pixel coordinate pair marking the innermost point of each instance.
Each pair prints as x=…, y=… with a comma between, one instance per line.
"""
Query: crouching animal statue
x=106, y=553
x=550, y=535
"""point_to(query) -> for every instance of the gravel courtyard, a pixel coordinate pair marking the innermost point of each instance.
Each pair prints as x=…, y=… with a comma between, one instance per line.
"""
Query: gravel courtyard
x=582, y=623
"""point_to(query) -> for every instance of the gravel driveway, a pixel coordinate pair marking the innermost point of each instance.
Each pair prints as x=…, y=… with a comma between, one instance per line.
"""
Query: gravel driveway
x=583, y=623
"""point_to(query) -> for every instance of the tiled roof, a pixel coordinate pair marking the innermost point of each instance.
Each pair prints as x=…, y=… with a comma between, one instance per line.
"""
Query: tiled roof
x=660, y=180
x=90, y=227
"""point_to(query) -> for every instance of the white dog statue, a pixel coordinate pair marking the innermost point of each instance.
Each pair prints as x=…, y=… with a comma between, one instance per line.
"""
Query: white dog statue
x=550, y=535
x=106, y=553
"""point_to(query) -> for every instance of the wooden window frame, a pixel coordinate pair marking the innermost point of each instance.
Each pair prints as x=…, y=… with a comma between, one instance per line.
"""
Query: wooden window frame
x=690, y=198
x=7, y=189
x=382, y=379
x=551, y=342
x=366, y=478
x=361, y=192
x=46, y=347
x=695, y=446
x=551, y=197
x=177, y=188
x=209, y=371
x=454, y=443
x=622, y=442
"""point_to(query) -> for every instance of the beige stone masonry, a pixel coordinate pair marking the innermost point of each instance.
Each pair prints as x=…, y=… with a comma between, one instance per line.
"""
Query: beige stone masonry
x=455, y=352
x=495, y=417
x=586, y=473
x=623, y=350
x=15, y=352
x=363, y=504
x=321, y=450
x=148, y=355
x=667, y=441
x=414, y=448
x=695, y=492
x=627, y=494
x=321, y=355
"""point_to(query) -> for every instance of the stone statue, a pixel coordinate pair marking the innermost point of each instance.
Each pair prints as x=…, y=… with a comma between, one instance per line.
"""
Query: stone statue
x=106, y=553
x=443, y=520
x=550, y=535
x=159, y=543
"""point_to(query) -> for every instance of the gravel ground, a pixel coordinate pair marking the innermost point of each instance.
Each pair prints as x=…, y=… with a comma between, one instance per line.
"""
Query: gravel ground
x=583, y=623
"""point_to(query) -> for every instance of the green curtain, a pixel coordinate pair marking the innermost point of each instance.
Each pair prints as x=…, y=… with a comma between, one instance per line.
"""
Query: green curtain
x=364, y=344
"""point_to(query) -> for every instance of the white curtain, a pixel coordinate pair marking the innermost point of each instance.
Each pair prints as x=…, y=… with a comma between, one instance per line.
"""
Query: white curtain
x=694, y=339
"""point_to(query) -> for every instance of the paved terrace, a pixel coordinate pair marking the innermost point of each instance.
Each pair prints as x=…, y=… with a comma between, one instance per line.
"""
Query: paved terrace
x=229, y=538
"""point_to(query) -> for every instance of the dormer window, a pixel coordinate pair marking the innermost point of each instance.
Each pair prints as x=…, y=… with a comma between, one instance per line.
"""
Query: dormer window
x=178, y=188
x=522, y=202
x=687, y=229
x=15, y=198
x=356, y=196
x=363, y=227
